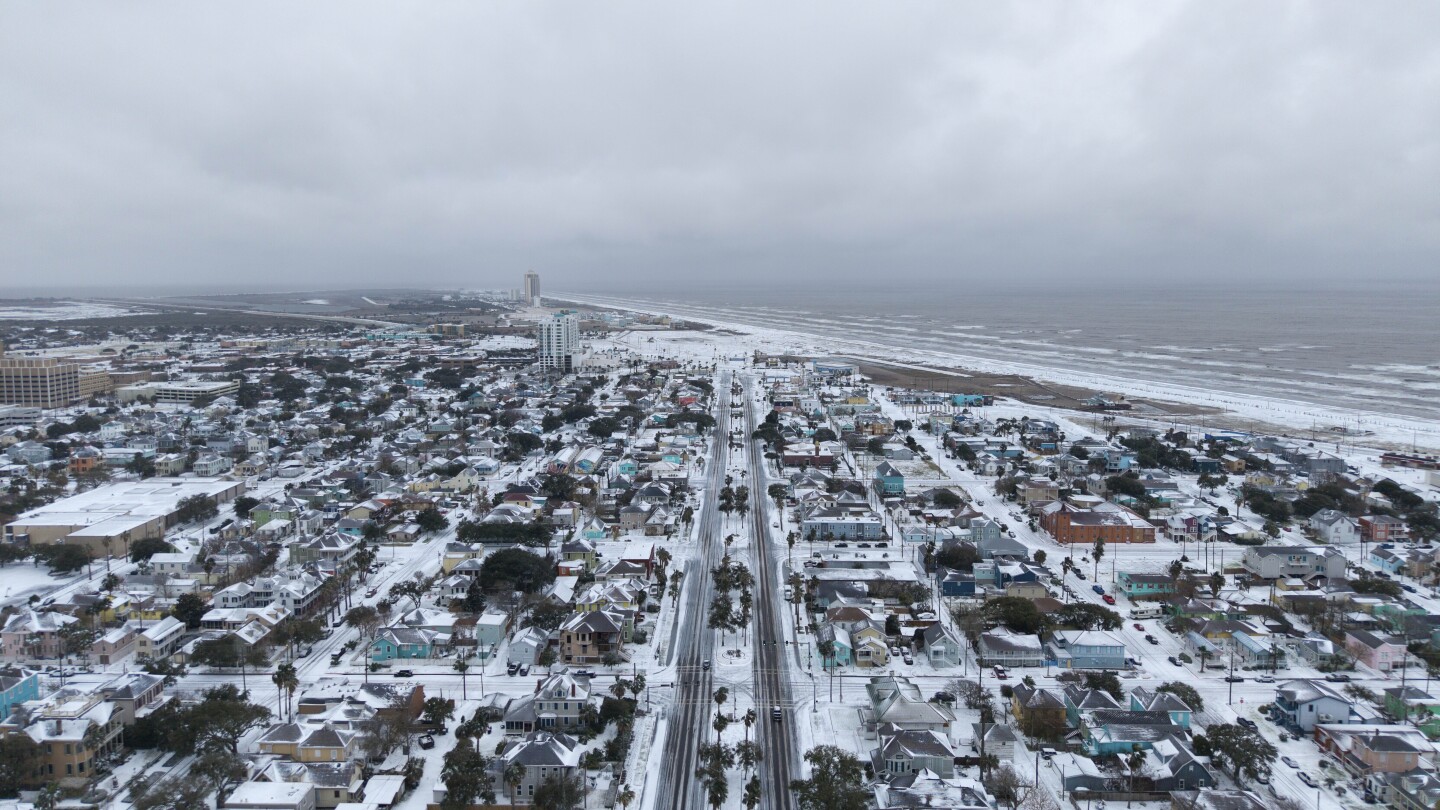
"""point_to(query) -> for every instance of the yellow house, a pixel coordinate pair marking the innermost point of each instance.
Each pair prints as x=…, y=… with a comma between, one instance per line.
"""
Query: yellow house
x=71, y=735
x=323, y=743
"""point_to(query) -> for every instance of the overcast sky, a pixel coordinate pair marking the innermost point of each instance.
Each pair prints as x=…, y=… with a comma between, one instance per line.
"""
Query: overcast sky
x=334, y=144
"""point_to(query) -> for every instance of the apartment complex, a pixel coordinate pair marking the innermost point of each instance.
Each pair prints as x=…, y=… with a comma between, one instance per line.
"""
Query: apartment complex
x=532, y=288
x=559, y=338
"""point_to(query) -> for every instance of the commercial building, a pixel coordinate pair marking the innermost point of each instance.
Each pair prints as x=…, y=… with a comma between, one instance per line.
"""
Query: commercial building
x=1070, y=524
x=559, y=339
x=116, y=515
x=39, y=382
x=181, y=393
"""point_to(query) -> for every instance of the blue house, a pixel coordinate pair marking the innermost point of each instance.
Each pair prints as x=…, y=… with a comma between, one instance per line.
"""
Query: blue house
x=1386, y=560
x=1143, y=586
x=1087, y=649
x=402, y=642
x=1145, y=699
x=888, y=480
x=1108, y=731
x=17, y=686
x=839, y=638
x=951, y=582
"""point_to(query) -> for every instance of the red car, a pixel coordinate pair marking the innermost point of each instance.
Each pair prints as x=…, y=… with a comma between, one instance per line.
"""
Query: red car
x=1109, y=600
x=1140, y=627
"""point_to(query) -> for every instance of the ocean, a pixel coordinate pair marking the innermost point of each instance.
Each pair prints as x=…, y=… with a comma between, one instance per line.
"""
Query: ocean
x=1367, y=347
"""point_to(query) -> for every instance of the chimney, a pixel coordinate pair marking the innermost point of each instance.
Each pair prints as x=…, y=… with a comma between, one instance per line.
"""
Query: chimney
x=572, y=689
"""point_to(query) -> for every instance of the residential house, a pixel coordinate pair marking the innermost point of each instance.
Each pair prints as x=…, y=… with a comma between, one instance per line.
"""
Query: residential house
x=941, y=646
x=906, y=752
x=1414, y=705
x=888, y=480
x=29, y=635
x=1383, y=529
x=1334, y=527
x=403, y=643
x=160, y=640
x=1110, y=731
x=1138, y=586
x=133, y=693
x=1377, y=652
x=592, y=637
x=271, y=796
x=558, y=703
x=1284, y=562
x=17, y=686
x=1087, y=649
x=1171, y=765
x=1001, y=646
x=1145, y=699
x=1038, y=712
x=896, y=703
x=1304, y=704
x=544, y=755
x=1365, y=749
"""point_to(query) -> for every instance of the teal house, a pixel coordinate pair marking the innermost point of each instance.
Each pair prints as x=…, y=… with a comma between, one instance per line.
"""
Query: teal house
x=1143, y=586
x=17, y=686
x=402, y=642
x=839, y=638
x=888, y=480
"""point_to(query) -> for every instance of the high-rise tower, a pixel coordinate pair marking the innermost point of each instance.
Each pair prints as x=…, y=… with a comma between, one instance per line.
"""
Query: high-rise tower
x=532, y=289
x=559, y=338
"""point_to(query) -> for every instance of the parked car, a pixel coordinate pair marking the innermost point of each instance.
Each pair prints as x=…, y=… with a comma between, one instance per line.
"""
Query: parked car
x=1108, y=599
x=1291, y=762
x=908, y=658
x=1338, y=677
x=427, y=742
x=1098, y=589
x=1309, y=780
x=404, y=673
x=512, y=668
x=1140, y=627
x=1234, y=679
x=1152, y=640
x=1173, y=659
x=1265, y=679
x=1245, y=722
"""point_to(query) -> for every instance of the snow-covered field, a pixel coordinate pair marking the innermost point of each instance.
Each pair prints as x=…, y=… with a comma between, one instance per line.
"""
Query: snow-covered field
x=63, y=311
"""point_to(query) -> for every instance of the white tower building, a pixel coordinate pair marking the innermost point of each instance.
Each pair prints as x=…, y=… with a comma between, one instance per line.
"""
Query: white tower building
x=559, y=342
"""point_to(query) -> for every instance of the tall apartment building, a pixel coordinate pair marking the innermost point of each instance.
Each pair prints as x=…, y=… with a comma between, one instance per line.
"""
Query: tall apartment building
x=532, y=289
x=39, y=382
x=559, y=341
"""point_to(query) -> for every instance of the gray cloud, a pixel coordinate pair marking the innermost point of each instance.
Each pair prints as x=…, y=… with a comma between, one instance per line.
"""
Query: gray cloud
x=353, y=143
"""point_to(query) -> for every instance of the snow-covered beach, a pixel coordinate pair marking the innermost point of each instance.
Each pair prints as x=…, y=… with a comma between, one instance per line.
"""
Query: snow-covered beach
x=1237, y=410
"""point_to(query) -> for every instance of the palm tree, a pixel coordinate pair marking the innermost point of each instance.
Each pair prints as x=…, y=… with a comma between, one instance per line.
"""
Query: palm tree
x=514, y=775
x=287, y=680
x=462, y=666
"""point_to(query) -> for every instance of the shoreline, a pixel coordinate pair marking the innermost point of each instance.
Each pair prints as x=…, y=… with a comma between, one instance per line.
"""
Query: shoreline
x=1184, y=407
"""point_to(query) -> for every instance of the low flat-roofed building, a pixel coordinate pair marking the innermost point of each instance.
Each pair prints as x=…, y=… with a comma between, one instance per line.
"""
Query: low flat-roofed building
x=116, y=514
